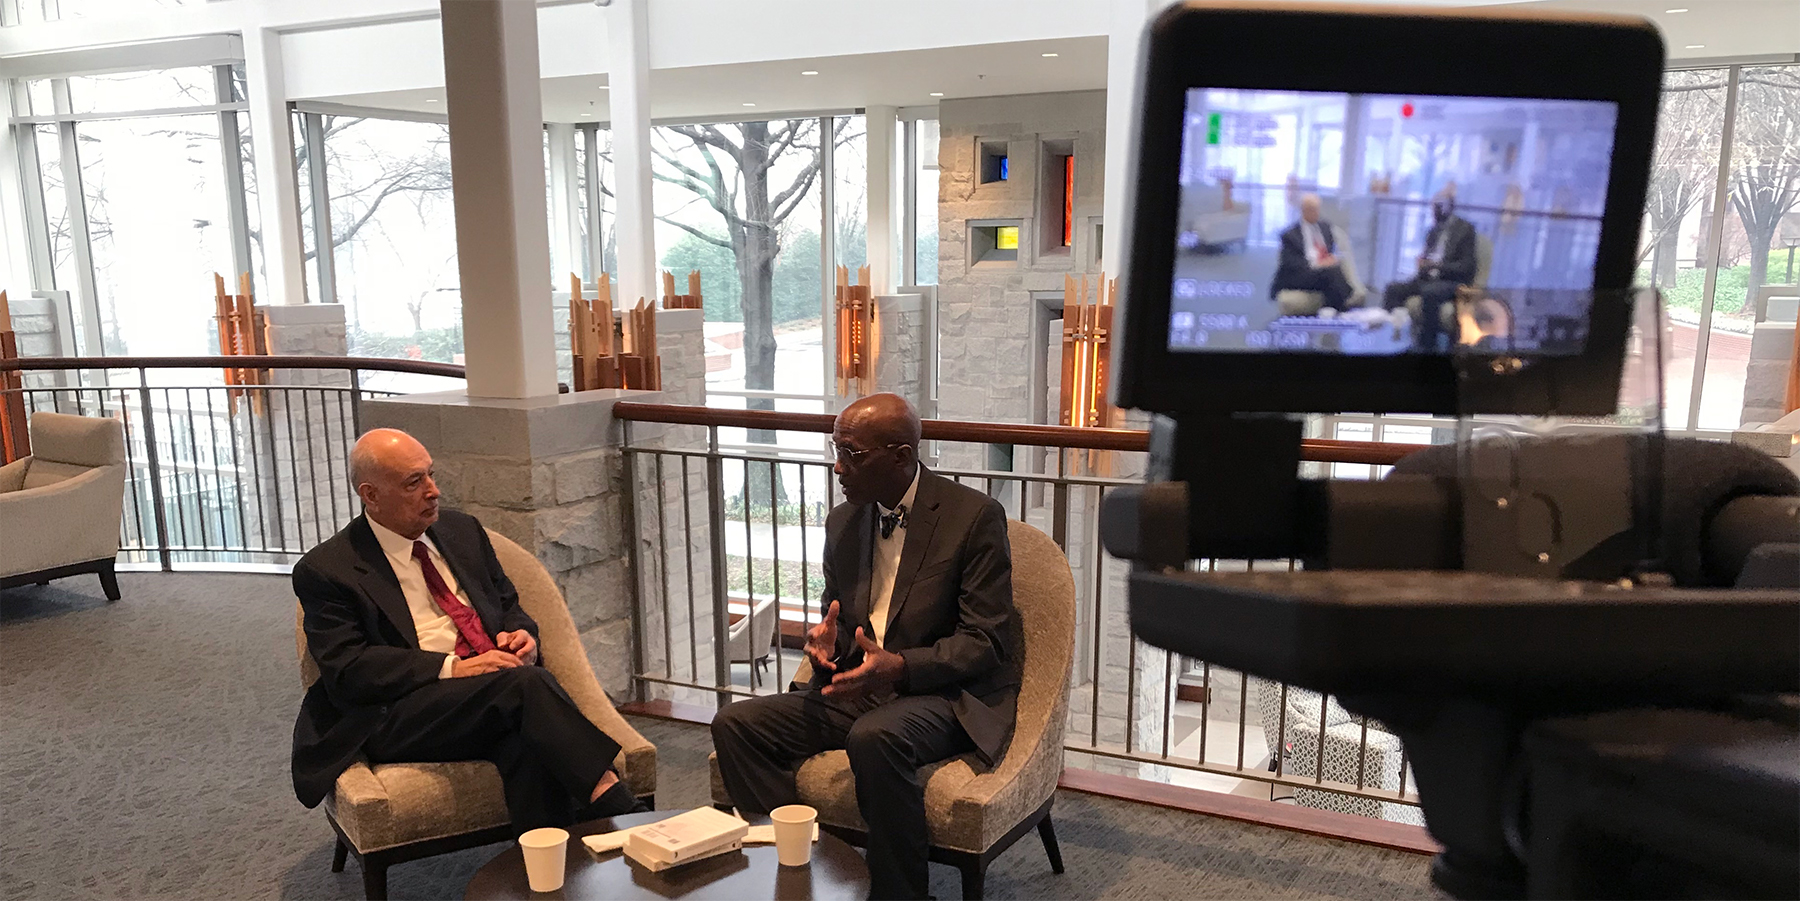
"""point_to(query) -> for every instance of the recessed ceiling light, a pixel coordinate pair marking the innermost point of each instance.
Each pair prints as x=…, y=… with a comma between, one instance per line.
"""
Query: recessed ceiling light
x=1696, y=47
x=810, y=72
x=1048, y=55
x=585, y=115
x=431, y=100
x=749, y=104
x=1678, y=9
x=605, y=87
x=937, y=93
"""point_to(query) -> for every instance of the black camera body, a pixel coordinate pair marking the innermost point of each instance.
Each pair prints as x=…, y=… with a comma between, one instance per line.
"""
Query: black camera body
x=1588, y=643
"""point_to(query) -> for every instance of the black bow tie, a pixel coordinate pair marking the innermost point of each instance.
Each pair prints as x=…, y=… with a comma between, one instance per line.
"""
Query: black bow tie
x=892, y=520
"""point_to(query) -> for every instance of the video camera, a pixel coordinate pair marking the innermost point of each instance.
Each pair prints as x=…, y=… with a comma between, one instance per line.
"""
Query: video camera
x=1587, y=638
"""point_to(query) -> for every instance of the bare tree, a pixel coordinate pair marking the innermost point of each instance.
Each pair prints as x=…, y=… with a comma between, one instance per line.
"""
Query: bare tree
x=1765, y=163
x=1683, y=166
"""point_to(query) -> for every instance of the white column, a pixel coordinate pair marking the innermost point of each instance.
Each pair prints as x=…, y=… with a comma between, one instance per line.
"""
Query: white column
x=272, y=150
x=628, y=35
x=497, y=178
x=15, y=250
x=565, y=227
x=1124, y=34
x=880, y=122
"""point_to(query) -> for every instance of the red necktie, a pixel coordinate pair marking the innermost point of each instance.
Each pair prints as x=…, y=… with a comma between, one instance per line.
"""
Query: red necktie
x=471, y=638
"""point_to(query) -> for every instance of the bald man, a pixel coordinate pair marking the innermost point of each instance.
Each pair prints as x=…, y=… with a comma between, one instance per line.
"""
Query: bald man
x=1309, y=258
x=917, y=658
x=424, y=654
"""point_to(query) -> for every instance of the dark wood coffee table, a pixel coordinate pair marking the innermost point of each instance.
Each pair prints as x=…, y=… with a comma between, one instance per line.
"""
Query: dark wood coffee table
x=837, y=871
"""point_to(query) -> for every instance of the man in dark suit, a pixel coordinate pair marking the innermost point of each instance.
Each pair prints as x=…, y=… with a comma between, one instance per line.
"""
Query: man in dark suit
x=424, y=654
x=1309, y=260
x=1447, y=263
x=917, y=658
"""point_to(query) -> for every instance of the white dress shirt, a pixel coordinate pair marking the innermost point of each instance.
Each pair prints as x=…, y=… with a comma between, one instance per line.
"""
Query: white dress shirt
x=887, y=563
x=437, y=631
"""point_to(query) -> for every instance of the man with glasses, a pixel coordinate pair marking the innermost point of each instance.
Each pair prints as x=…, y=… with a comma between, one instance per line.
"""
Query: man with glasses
x=917, y=658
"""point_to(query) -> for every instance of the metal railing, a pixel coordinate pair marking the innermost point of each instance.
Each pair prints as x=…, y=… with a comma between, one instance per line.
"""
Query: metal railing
x=701, y=506
x=222, y=476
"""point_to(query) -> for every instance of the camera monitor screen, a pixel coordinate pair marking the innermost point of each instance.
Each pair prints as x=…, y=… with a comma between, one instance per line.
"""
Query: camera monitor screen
x=1382, y=224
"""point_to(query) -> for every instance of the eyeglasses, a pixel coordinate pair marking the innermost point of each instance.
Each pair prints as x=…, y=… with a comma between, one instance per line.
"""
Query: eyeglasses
x=848, y=454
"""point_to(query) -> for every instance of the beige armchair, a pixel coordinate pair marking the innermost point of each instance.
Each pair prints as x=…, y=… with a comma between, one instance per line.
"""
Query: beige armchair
x=1484, y=264
x=752, y=639
x=395, y=812
x=62, y=504
x=973, y=815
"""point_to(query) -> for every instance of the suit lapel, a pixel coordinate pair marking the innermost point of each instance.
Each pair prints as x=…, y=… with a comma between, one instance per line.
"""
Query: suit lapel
x=378, y=581
x=921, y=521
x=861, y=550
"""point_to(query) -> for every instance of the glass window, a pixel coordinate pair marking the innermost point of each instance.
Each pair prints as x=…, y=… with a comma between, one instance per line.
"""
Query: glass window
x=740, y=203
x=98, y=9
x=156, y=89
x=393, y=238
x=925, y=203
x=1765, y=192
x=156, y=206
x=1678, y=214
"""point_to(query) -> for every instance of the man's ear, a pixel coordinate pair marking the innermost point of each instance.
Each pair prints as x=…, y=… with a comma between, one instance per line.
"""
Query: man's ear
x=908, y=454
x=365, y=492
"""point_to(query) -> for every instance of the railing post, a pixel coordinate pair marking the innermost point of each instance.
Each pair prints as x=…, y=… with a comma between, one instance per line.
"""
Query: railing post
x=633, y=531
x=156, y=492
x=356, y=404
x=715, y=506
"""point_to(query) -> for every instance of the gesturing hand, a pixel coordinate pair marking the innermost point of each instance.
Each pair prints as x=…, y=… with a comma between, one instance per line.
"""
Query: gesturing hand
x=821, y=641
x=520, y=644
x=485, y=662
x=880, y=669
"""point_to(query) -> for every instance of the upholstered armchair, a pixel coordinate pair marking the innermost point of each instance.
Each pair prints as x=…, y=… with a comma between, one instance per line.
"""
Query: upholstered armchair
x=1484, y=265
x=973, y=814
x=63, y=503
x=751, y=639
x=1291, y=720
x=395, y=812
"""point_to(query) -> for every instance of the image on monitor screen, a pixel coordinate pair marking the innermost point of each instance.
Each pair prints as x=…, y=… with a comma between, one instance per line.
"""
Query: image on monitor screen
x=1383, y=224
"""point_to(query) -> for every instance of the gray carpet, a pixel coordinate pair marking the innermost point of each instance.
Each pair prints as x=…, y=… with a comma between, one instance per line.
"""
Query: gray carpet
x=145, y=748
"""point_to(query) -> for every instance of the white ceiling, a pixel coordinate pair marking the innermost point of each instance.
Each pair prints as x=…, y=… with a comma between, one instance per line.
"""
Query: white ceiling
x=897, y=78
x=1722, y=28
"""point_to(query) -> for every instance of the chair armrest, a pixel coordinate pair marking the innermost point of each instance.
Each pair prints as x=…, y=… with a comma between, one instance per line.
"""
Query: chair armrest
x=71, y=521
x=12, y=475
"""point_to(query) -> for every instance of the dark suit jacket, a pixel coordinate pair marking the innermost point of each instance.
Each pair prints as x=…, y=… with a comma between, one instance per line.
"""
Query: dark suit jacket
x=1458, y=264
x=360, y=633
x=1293, y=255
x=951, y=616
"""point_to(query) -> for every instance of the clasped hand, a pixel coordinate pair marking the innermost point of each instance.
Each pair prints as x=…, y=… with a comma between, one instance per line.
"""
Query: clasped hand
x=510, y=649
x=880, y=668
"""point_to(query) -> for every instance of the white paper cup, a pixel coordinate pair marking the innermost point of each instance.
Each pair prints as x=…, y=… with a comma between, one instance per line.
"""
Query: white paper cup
x=546, y=853
x=793, y=834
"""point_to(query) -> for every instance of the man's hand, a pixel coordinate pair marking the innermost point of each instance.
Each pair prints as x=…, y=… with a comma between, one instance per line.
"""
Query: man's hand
x=880, y=669
x=1327, y=261
x=520, y=644
x=486, y=662
x=821, y=641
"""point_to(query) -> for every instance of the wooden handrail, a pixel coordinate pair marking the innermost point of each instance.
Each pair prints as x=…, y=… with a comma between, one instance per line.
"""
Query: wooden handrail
x=1317, y=450
x=371, y=364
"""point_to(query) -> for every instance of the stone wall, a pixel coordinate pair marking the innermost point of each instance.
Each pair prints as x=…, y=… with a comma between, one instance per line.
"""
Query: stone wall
x=985, y=309
x=901, y=344
x=297, y=440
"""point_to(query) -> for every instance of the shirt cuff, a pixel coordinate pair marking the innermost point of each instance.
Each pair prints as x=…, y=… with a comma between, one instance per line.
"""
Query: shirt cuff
x=449, y=667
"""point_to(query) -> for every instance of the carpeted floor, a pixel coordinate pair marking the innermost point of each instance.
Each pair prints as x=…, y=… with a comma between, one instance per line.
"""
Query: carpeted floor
x=145, y=752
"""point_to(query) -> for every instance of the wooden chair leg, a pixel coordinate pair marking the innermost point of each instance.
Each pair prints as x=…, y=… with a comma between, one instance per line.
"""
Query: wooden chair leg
x=974, y=880
x=1047, y=832
x=109, y=581
x=338, y=855
x=374, y=880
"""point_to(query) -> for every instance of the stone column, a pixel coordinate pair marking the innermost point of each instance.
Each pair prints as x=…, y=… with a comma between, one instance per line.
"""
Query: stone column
x=294, y=444
x=901, y=344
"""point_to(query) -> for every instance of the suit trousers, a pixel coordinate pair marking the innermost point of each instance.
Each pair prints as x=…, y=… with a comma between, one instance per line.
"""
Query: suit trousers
x=1327, y=280
x=1433, y=293
x=549, y=755
x=762, y=742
